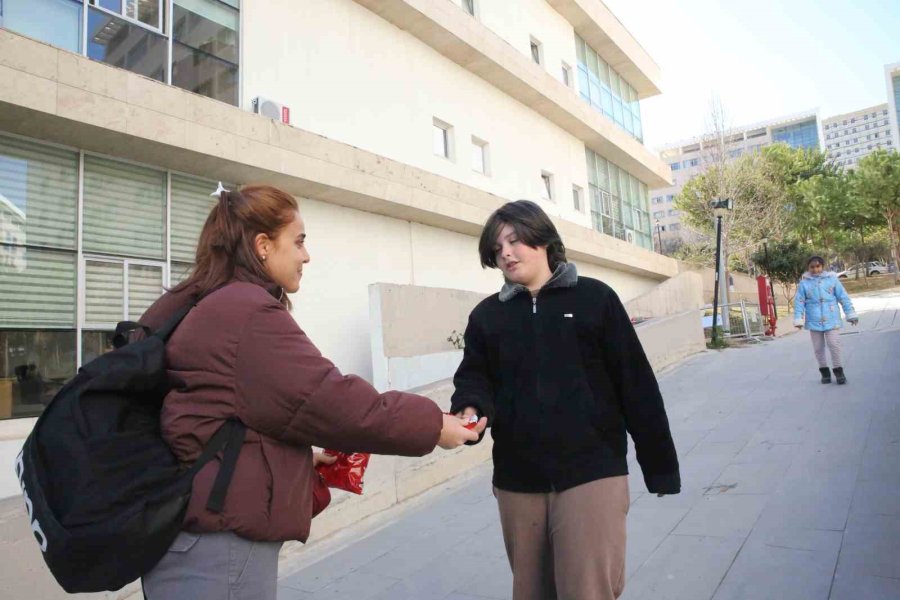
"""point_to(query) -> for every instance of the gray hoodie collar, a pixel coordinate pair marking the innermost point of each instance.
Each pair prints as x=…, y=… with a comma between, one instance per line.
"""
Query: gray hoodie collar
x=565, y=276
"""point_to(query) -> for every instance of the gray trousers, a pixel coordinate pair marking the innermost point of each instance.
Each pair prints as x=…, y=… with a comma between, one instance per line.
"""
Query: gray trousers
x=833, y=340
x=215, y=566
x=568, y=545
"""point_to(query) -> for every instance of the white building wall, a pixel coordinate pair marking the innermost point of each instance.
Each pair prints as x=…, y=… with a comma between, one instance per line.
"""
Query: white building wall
x=376, y=87
x=533, y=18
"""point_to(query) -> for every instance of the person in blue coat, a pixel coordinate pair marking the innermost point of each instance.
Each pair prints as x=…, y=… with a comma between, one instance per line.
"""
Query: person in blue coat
x=817, y=307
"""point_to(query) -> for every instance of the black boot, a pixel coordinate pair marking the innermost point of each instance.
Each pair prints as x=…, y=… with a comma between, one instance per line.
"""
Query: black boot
x=839, y=373
x=826, y=374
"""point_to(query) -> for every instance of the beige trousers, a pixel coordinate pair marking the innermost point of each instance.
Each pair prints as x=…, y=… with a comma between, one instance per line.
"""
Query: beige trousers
x=568, y=545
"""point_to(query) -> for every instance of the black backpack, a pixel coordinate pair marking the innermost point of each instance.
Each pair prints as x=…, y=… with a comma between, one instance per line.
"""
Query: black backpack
x=104, y=493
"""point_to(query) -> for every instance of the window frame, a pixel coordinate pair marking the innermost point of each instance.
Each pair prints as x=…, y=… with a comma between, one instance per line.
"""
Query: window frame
x=578, y=198
x=547, y=186
x=567, y=75
x=536, y=45
x=485, y=156
x=448, y=138
x=164, y=6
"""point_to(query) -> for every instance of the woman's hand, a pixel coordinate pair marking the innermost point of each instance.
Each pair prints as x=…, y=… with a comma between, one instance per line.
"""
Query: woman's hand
x=454, y=433
x=320, y=458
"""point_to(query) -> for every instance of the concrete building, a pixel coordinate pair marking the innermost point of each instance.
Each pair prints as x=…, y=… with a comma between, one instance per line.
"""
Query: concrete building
x=892, y=81
x=692, y=157
x=852, y=136
x=409, y=122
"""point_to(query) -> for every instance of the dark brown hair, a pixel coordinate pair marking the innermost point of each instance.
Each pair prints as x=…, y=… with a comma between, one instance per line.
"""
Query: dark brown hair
x=532, y=226
x=226, y=242
x=815, y=259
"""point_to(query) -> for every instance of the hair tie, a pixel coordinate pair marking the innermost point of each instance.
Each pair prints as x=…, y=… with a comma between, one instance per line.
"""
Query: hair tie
x=219, y=190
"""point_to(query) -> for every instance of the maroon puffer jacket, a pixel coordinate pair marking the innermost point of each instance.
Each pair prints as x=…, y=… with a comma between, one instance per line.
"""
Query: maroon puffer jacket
x=240, y=354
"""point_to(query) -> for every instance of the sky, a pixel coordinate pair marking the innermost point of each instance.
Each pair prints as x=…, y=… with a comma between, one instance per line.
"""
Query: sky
x=762, y=59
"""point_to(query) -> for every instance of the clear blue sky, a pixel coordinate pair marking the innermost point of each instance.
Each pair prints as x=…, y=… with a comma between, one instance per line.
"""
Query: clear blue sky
x=762, y=58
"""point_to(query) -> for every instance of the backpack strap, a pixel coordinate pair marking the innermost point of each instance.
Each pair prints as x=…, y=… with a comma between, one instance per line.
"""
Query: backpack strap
x=229, y=439
x=123, y=329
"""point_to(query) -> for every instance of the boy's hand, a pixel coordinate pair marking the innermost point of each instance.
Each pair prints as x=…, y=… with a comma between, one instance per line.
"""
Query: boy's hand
x=455, y=434
x=466, y=413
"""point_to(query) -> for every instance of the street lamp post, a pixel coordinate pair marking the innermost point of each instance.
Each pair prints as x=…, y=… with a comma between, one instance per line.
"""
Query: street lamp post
x=659, y=237
x=720, y=209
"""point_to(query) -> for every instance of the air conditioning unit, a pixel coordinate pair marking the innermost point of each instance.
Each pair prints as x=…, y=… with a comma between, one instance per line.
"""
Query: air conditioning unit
x=629, y=236
x=272, y=109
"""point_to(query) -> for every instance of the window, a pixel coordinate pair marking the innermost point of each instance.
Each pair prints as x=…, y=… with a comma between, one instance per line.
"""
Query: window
x=675, y=166
x=201, y=56
x=692, y=162
x=606, y=91
x=120, y=43
x=124, y=209
x=675, y=227
x=547, y=185
x=577, y=195
x=148, y=12
x=674, y=213
x=442, y=139
x=658, y=200
x=670, y=198
x=659, y=214
x=480, y=156
x=38, y=232
x=537, y=51
x=57, y=22
x=469, y=6
x=566, y=75
x=205, y=48
x=52, y=302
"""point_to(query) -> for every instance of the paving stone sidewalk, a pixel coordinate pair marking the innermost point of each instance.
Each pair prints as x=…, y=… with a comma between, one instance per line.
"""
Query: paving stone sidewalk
x=791, y=490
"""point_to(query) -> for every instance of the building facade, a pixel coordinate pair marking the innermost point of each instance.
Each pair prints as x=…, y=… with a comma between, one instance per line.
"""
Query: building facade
x=851, y=137
x=409, y=122
x=892, y=81
x=692, y=157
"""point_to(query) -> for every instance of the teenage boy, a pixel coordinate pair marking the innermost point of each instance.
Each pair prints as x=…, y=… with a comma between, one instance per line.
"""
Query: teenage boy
x=555, y=365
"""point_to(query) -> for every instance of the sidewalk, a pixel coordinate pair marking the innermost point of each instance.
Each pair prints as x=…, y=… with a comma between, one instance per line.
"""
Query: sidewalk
x=791, y=490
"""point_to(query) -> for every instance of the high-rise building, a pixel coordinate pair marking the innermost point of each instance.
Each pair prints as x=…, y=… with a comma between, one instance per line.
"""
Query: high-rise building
x=852, y=136
x=399, y=125
x=892, y=80
x=692, y=157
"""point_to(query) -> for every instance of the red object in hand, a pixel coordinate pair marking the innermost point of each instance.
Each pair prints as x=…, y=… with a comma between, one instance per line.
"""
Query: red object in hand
x=346, y=473
x=473, y=421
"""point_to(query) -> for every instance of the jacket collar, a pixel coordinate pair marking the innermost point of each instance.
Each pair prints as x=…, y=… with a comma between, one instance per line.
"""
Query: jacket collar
x=248, y=276
x=565, y=276
x=809, y=275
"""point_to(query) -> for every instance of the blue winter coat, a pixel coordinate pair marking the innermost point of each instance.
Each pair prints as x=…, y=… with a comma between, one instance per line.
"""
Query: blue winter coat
x=817, y=300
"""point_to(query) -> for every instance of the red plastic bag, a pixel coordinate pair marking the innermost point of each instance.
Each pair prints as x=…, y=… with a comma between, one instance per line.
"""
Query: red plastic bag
x=346, y=473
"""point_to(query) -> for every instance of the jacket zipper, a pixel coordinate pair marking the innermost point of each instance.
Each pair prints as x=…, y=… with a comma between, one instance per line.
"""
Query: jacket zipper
x=534, y=305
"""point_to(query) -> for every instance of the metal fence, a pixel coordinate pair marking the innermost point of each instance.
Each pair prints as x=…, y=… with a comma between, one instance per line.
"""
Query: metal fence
x=744, y=320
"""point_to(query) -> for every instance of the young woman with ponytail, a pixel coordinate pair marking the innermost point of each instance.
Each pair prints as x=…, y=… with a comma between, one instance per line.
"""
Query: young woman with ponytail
x=239, y=354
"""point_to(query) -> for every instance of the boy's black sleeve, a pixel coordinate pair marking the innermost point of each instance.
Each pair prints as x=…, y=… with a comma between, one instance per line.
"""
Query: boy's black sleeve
x=472, y=380
x=641, y=400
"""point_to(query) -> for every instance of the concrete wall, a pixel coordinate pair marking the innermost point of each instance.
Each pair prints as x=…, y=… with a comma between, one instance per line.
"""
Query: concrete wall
x=410, y=324
x=672, y=338
x=676, y=295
